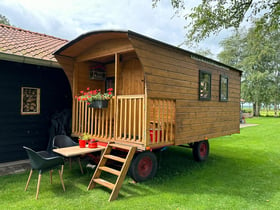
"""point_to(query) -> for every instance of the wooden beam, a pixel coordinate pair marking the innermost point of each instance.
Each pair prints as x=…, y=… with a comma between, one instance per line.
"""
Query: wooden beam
x=106, y=48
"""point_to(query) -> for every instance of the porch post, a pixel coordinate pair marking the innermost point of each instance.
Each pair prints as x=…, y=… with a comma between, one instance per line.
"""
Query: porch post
x=117, y=66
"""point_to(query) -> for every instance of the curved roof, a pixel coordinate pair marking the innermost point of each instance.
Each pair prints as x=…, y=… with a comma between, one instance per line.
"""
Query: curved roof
x=87, y=40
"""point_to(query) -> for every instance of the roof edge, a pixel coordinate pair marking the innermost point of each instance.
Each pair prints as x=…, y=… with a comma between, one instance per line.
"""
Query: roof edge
x=31, y=32
x=84, y=35
x=28, y=60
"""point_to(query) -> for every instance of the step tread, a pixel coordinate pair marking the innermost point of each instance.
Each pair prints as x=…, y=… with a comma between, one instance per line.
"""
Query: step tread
x=110, y=170
x=116, y=158
x=120, y=146
x=104, y=183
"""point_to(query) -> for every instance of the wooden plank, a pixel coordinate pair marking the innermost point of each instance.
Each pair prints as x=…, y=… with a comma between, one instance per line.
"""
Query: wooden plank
x=104, y=183
x=125, y=118
x=121, y=118
x=106, y=48
x=130, y=119
x=110, y=170
x=116, y=158
x=95, y=122
x=134, y=118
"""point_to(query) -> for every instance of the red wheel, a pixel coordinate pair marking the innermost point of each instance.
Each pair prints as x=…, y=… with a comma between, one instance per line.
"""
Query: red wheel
x=143, y=166
x=201, y=150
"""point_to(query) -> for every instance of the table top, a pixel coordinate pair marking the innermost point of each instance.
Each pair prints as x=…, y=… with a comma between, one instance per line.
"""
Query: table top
x=76, y=150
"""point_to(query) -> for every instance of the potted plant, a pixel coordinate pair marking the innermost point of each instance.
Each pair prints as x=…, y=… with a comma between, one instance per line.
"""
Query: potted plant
x=95, y=98
x=92, y=143
x=83, y=139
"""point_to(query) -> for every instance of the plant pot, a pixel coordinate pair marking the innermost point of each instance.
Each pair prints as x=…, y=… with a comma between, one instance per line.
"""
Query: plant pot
x=92, y=144
x=82, y=143
x=156, y=135
x=99, y=104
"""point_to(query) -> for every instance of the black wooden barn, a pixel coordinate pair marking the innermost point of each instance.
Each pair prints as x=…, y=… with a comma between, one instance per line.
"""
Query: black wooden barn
x=34, y=91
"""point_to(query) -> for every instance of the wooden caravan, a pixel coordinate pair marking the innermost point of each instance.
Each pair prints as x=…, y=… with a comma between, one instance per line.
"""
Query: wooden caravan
x=163, y=95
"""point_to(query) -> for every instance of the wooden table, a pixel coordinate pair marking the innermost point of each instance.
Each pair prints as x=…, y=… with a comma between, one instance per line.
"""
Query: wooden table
x=76, y=150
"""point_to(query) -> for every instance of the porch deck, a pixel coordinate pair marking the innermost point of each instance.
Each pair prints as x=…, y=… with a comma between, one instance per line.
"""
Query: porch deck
x=131, y=119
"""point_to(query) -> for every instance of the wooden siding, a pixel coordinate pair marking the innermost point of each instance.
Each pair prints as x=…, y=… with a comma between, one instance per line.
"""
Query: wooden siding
x=131, y=78
x=173, y=74
x=18, y=130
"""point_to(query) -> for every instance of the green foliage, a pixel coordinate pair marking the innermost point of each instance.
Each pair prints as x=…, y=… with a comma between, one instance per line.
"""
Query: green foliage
x=242, y=172
x=258, y=55
x=212, y=16
x=85, y=136
x=4, y=20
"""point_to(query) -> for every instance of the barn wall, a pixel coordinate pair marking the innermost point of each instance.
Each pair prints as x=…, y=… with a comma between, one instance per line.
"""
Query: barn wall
x=173, y=74
x=17, y=130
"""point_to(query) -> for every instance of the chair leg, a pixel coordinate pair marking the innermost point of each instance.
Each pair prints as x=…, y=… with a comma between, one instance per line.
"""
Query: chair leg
x=51, y=175
x=62, y=168
x=79, y=160
x=61, y=179
x=38, y=185
x=28, y=180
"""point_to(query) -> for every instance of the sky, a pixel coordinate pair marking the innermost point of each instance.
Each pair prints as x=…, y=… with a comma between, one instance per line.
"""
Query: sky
x=68, y=19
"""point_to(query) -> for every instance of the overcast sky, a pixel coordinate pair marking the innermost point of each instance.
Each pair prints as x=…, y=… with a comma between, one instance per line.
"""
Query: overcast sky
x=70, y=18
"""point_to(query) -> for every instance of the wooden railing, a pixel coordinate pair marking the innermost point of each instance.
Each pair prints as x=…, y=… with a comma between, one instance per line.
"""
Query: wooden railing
x=126, y=120
x=99, y=123
x=130, y=119
x=161, y=117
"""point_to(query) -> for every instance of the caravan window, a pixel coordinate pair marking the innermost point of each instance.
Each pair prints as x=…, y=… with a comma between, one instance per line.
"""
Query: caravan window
x=223, y=88
x=204, y=85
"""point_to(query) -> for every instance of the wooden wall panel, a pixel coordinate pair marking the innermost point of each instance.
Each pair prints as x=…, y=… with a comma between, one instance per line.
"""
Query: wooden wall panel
x=173, y=74
x=131, y=78
x=82, y=78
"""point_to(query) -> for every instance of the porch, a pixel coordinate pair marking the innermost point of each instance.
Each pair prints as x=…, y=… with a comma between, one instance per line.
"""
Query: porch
x=131, y=119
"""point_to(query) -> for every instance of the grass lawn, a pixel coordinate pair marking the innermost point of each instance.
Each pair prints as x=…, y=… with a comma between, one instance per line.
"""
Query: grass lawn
x=242, y=172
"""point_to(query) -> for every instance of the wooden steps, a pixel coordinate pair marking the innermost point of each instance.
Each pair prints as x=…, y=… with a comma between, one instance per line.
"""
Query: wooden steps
x=102, y=167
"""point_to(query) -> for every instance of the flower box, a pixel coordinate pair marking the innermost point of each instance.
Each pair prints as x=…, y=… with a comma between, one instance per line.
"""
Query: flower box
x=99, y=104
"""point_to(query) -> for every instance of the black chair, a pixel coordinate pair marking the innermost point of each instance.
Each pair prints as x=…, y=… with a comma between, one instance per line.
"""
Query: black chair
x=61, y=141
x=43, y=164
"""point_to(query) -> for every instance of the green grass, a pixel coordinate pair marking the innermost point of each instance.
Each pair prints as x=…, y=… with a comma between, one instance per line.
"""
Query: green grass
x=242, y=172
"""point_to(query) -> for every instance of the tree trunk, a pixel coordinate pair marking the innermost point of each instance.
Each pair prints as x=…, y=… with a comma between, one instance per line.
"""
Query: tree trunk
x=275, y=110
x=256, y=109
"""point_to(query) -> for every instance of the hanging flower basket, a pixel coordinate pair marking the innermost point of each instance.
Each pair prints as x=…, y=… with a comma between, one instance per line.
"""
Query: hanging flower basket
x=99, y=104
x=95, y=99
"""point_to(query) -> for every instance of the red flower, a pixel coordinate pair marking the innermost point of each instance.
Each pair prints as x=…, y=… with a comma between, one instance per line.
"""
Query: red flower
x=110, y=89
x=110, y=93
x=88, y=88
x=81, y=91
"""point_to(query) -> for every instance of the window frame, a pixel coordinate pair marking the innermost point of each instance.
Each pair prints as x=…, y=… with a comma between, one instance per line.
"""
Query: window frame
x=223, y=99
x=30, y=101
x=209, y=84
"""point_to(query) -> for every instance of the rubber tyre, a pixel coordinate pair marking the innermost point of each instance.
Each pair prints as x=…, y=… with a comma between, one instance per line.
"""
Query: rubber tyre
x=143, y=166
x=201, y=150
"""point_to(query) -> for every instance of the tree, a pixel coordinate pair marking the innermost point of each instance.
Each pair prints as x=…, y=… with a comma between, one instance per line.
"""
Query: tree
x=258, y=54
x=212, y=16
x=4, y=20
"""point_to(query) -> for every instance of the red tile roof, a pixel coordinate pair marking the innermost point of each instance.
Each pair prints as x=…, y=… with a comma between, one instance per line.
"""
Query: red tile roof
x=26, y=43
